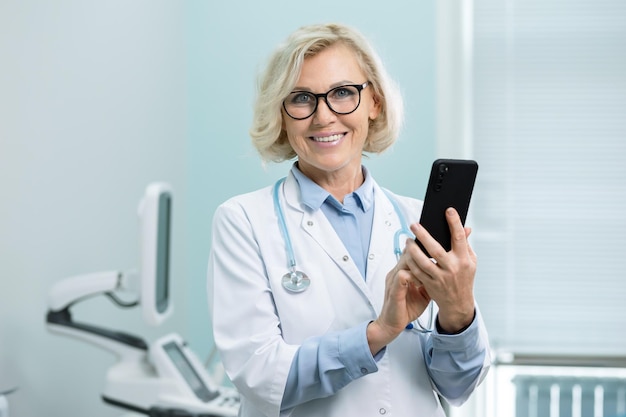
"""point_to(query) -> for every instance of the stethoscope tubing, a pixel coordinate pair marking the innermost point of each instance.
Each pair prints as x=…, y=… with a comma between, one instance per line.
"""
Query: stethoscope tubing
x=283, y=225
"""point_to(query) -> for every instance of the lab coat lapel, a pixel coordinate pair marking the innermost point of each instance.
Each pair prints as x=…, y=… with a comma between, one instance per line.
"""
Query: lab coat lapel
x=384, y=226
x=317, y=226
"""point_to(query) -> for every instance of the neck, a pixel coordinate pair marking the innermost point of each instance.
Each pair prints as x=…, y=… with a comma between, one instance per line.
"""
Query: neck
x=338, y=183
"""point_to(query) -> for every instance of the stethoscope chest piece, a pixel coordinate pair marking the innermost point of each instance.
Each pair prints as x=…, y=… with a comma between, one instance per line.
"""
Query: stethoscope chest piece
x=296, y=281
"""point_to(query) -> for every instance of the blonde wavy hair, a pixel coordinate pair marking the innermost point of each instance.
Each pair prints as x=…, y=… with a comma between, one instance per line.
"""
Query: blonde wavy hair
x=283, y=71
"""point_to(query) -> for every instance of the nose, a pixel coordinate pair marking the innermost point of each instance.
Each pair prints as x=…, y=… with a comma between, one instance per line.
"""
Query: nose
x=323, y=114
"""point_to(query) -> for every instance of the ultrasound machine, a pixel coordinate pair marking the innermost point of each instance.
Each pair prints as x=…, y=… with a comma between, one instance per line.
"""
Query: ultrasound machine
x=161, y=379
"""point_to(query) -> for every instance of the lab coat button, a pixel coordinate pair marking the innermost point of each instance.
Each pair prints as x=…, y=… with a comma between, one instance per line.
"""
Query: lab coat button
x=382, y=411
x=388, y=223
x=345, y=258
x=371, y=257
x=309, y=223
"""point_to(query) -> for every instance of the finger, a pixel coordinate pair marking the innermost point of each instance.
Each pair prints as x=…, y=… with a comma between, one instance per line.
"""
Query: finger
x=412, y=274
x=458, y=234
x=424, y=293
x=471, y=252
x=402, y=284
x=435, y=250
x=420, y=265
x=418, y=275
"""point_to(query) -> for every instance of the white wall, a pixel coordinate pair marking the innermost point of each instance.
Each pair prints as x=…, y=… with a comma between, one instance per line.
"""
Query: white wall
x=92, y=108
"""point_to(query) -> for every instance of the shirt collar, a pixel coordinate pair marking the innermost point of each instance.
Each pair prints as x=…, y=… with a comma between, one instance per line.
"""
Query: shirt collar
x=313, y=196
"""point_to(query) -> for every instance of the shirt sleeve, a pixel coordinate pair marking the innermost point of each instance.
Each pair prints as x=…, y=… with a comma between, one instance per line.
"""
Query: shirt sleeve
x=457, y=362
x=325, y=364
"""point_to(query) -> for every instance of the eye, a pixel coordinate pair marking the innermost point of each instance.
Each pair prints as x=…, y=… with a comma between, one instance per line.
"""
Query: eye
x=301, y=98
x=344, y=92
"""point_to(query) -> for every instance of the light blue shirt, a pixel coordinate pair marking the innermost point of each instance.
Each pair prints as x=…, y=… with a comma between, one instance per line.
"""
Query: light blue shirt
x=352, y=218
x=320, y=368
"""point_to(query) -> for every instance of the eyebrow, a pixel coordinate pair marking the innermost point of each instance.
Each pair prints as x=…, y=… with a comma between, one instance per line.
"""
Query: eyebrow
x=334, y=85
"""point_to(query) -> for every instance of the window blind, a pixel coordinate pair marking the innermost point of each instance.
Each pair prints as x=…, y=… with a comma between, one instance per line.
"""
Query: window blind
x=549, y=209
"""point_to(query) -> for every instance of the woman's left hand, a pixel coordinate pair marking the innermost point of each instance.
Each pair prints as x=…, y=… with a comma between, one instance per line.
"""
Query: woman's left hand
x=448, y=277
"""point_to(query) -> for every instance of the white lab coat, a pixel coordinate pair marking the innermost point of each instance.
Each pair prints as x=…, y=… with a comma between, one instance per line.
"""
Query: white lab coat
x=258, y=325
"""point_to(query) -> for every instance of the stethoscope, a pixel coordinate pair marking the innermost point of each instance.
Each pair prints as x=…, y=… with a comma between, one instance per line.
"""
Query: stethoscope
x=296, y=281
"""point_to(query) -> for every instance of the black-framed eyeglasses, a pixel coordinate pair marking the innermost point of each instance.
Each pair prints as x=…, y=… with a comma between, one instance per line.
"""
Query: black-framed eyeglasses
x=345, y=99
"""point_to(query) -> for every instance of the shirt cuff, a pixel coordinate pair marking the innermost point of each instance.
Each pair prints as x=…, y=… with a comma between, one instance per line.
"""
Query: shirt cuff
x=442, y=331
x=459, y=341
x=354, y=351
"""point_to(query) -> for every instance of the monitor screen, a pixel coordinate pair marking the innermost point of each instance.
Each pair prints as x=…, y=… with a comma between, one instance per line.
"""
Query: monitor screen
x=189, y=374
x=155, y=215
x=163, y=252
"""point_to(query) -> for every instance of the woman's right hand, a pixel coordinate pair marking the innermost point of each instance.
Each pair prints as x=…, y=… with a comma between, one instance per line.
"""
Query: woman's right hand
x=405, y=300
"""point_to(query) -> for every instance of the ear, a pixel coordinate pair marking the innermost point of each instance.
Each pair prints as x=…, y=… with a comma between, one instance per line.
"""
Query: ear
x=375, y=108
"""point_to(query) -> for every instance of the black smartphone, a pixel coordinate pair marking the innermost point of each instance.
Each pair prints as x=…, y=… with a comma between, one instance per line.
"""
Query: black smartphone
x=450, y=184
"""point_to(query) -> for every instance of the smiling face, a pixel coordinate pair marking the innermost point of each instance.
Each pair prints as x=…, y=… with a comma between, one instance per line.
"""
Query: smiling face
x=329, y=145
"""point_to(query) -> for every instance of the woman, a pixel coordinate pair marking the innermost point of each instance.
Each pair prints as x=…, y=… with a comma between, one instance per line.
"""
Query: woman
x=336, y=342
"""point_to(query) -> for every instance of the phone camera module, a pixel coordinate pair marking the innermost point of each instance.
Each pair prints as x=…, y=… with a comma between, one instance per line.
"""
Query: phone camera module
x=443, y=170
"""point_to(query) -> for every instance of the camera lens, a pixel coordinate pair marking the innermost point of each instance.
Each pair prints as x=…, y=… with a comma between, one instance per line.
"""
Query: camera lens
x=443, y=168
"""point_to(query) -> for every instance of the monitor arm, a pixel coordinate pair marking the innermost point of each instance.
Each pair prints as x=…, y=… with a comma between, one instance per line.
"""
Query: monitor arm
x=70, y=291
x=74, y=289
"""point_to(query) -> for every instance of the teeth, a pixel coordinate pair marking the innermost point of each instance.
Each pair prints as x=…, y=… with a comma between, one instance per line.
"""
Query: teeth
x=331, y=138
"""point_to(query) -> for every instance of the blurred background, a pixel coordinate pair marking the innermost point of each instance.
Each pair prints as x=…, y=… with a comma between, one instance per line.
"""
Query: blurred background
x=98, y=99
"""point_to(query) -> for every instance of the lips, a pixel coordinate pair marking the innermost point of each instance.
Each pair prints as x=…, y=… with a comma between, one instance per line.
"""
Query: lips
x=328, y=138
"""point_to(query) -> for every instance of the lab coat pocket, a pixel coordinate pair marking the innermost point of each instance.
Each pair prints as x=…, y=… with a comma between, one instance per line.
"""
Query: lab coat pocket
x=302, y=314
